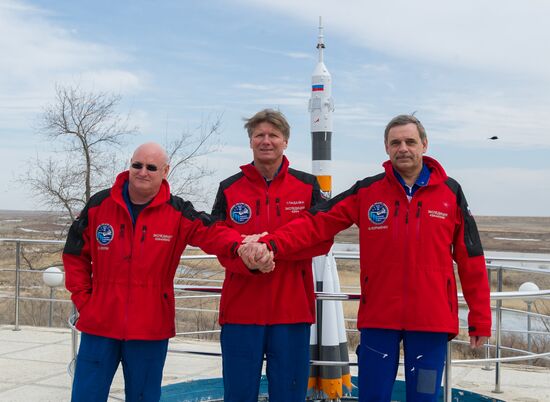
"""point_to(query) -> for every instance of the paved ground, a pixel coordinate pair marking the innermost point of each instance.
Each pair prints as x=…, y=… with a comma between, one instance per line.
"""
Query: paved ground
x=34, y=361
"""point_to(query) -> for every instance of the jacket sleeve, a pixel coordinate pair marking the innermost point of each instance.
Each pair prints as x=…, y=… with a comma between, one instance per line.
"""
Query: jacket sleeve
x=213, y=238
x=320, y=224
x=319, y=248
x=77, y=261
x=472, y=271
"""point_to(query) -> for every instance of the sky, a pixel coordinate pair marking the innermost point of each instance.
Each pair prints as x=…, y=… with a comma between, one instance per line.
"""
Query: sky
x=469, y=70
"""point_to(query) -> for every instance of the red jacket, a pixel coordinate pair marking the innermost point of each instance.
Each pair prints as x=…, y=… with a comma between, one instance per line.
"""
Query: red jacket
x=406, y=251
x=121, y=276
x=247, y=204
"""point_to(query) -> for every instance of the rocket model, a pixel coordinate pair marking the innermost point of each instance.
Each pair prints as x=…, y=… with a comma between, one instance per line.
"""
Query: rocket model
x=321, y=107
x=328, y=335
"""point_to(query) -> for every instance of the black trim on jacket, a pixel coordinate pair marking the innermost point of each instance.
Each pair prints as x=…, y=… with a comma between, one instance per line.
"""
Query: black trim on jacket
x=220, y=203
x=366, y=182
x=75, y=240
x=188, y=211
x=471, y=234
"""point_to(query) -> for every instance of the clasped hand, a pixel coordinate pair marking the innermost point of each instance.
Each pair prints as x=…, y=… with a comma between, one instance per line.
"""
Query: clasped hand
x=256, y=256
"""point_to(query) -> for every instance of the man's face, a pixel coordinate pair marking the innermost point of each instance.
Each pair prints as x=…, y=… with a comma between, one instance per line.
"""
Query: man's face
x=268, y=144
x=405, y=149
x=147, y=169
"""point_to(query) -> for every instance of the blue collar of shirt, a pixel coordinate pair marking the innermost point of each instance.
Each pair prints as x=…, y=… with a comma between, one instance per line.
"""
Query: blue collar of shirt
x=421, y=181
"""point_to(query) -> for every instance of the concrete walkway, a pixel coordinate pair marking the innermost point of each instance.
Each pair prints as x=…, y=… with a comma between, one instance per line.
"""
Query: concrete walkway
x=34, y=361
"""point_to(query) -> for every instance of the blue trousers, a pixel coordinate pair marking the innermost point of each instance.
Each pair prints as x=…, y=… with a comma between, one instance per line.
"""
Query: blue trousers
x=286, y=348
x=378, y=358
x=97, y=362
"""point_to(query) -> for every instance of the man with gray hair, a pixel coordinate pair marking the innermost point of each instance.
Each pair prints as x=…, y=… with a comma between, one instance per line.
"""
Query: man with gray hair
x=413, y=222
x=120, y=259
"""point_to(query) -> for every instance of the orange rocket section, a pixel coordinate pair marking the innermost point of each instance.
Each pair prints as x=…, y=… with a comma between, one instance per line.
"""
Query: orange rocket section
x=325, y=182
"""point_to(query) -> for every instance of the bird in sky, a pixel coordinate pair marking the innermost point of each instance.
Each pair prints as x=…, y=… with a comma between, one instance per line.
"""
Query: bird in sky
x=494, y=137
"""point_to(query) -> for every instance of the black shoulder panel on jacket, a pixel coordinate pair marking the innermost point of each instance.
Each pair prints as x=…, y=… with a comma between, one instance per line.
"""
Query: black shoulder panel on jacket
x=305, y=177
x=188, y=211
x=471, y=234
x=366, y=182
x=230, y=180
x=220, y=203
x=75, y=239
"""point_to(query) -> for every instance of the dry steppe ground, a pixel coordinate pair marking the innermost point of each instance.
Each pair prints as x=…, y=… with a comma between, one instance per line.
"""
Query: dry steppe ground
x=498, y=233
x=516, y=234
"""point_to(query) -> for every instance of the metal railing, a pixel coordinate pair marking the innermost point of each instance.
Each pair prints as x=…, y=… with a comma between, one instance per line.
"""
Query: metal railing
x=494, y=264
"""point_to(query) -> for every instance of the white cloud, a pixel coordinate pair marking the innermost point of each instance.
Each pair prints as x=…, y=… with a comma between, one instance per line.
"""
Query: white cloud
x=290, y=54
x=299, y=55
x=277, y=94
x=36, y=54
x=509, y=36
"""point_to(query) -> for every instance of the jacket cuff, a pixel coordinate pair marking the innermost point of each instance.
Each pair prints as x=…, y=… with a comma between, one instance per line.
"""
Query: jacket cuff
x=269, y=242
x=234, y=248
x=80, y=300
x=479, y=330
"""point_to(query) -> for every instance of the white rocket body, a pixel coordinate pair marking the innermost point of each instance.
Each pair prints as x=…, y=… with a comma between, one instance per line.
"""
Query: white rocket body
x=321, y=107
x=328, y=335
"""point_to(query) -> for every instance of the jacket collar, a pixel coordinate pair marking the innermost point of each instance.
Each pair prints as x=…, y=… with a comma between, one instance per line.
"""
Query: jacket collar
x=252, y=174
x=437, y=173
x=116, y=191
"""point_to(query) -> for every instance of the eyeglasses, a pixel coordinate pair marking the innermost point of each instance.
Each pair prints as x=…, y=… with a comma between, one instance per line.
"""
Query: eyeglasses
x=139, y=166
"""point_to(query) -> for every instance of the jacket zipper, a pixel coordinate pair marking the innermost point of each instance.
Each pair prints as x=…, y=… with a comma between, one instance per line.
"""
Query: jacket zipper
x=406, y=272
x=269, y=293
x=418, y=213
x=277, y=206
x=267, y=209
x=396, y=221
x=130, y=263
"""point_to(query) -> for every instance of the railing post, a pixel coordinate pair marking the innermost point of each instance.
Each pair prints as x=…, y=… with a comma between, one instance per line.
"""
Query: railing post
x=74, y=341
x=447, y=380
x=529, y=326
x=497, y=389
x=17, y=282
x=487, y=348
x=50, y=313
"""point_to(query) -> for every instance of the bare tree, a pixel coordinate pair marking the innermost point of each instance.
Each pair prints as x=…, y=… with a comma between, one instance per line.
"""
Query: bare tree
x=85, y=130
x=187, y=168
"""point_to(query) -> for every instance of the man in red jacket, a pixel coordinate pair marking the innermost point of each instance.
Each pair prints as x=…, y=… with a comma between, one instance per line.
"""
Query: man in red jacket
x=120, y=259
x=267, y=313
x=413, y=222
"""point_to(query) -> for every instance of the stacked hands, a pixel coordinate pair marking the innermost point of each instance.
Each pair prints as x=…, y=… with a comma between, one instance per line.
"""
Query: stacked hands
x=256, y=256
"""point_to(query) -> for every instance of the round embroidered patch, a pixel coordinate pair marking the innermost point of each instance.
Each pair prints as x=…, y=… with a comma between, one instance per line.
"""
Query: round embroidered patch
x=378, y=213
x=240, y=213
x=104, y=234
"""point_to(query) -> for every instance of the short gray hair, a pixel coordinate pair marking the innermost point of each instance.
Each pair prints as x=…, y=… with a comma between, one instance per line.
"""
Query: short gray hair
x=402, y=120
